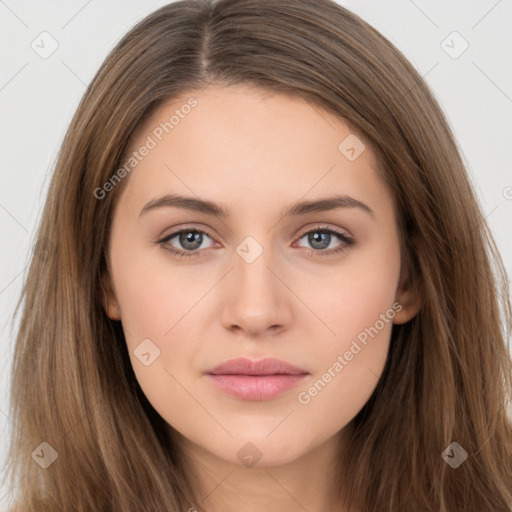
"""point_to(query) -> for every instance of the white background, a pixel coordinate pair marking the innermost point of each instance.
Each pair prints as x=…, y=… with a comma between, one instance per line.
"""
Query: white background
x=38, y=97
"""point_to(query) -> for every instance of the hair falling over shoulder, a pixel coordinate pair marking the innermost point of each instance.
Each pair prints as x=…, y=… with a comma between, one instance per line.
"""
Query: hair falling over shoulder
x=448, y=377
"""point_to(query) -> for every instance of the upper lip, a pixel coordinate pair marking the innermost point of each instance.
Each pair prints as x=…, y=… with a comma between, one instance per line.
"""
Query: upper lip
x=245, y=366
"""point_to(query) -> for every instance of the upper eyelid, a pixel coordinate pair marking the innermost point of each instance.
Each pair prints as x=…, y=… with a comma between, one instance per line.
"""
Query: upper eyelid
x=320, y=227
x=185, y=228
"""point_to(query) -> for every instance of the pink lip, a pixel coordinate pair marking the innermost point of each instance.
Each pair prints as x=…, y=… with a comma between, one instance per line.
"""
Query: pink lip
x=256, y=380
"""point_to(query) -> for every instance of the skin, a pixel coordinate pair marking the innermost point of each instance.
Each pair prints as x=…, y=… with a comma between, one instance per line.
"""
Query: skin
x=256, y=153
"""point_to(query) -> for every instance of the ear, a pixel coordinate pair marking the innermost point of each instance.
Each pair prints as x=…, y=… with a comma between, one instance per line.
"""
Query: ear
x=409, y=298
x=109, y=300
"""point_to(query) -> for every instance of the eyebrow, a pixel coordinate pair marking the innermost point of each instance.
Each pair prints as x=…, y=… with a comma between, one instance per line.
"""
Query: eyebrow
x=219, y=210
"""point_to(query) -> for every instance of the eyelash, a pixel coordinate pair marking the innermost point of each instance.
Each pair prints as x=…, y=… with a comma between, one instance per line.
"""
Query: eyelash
x=347, y=242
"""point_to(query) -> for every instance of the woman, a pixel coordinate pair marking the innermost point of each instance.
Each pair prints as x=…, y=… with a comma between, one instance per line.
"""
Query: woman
x=258, y=370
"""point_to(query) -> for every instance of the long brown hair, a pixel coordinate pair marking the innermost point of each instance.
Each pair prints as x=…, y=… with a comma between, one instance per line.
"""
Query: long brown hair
x=448, y=377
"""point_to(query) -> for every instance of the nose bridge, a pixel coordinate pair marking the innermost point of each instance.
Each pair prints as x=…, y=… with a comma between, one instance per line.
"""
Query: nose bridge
x=252, y=261
x=258, y=298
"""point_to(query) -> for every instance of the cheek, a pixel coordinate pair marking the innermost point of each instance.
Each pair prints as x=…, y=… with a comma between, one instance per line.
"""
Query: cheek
x=354, y=294
x=358, y=307
x=160, y=306
x=158, y=323
x=153, y=296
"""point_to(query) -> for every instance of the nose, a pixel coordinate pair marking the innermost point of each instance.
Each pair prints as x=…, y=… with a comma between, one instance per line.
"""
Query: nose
x=257, y=300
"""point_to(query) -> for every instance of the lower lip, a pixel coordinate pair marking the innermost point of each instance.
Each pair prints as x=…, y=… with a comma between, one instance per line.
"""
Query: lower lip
x=256, y=387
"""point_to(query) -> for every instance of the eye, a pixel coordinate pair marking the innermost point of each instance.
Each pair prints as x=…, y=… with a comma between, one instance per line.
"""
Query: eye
x=322, y=237
x=191, y=239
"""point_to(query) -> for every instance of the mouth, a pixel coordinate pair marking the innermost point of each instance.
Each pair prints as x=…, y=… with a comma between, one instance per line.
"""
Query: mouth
x=256, y=380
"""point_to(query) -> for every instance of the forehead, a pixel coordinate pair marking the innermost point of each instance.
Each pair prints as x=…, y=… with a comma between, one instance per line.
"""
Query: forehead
x=240, y=144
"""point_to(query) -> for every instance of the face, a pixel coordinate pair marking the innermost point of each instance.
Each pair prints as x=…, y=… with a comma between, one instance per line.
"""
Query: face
x=318, y=287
